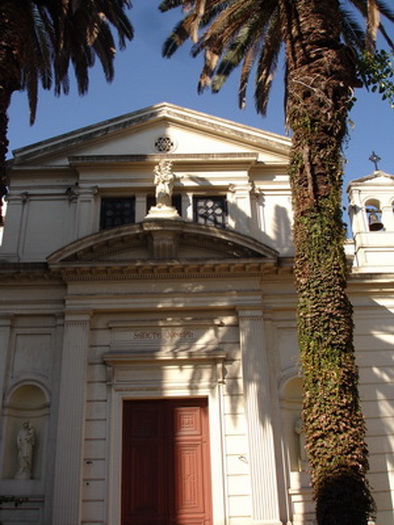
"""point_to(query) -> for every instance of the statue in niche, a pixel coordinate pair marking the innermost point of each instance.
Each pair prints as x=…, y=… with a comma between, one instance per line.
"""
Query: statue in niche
x=25, y=441
x=300, y=431
x=164, y=181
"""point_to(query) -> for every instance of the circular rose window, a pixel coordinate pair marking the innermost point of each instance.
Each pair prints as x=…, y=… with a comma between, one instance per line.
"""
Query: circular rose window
x=164, y=144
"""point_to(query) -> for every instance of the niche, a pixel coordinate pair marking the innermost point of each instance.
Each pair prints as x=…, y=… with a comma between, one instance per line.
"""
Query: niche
x=374, y=215
x=291, y=402
x=25, y=403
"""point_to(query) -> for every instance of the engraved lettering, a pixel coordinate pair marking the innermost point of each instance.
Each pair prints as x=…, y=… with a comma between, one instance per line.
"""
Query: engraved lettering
x=156, y=335
x=144, y=335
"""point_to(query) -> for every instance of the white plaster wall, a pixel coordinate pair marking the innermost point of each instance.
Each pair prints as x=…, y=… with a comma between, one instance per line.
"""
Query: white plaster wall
x=29, y=380
x=374, y=342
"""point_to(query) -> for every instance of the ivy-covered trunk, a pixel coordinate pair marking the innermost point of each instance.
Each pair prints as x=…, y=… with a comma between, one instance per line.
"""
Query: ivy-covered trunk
x=319, y=79
x=11, y=36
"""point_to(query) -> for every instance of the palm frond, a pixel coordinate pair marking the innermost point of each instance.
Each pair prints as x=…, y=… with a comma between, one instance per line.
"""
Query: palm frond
x=178, y=37
x=104, y=48
x=227, y=44
x=386, y=37
x=373, y=22
x=36, y=56
x=267, y=64
x=249, y=60
x=166, y=5
x=69, y=33
x=232, y=58
x=383, y=9
x=352, y=31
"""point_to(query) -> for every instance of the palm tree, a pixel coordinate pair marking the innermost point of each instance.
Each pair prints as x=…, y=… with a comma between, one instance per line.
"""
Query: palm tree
x=323, y=48
x=40, y=39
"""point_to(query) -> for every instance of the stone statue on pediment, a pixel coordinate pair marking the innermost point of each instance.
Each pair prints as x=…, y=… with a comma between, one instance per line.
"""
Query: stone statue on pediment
x=164, y=182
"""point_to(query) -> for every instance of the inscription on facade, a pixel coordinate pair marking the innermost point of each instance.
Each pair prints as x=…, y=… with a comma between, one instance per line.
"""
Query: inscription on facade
x=154, y=337
x=160, y=335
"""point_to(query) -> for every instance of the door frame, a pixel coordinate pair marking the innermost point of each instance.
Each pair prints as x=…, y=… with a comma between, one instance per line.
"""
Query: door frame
x=123, y=389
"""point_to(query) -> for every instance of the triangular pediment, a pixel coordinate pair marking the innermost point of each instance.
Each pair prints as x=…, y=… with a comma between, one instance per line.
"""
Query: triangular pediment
x=160, y=240
x=140, y=134
x=377, y=178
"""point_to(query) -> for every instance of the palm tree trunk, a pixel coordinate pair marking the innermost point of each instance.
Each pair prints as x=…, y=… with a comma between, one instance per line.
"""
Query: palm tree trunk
x=320, y=75
x=11, y=34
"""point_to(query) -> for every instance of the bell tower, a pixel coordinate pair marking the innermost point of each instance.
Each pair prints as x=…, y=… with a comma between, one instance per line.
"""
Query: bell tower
x=371, y=212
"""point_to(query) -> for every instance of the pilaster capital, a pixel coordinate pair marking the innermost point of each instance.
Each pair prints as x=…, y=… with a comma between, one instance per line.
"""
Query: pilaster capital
x=22, y=197
x=257, y=190
x=80, y=316
x=241, y=188
x=86, y=192
x=6, y=320
x=250, y=314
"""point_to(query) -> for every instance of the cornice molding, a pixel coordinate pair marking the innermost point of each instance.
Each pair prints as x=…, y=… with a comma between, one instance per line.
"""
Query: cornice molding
x=100, y=246
x=170, y=270
x=164, y=111
x=230, y=157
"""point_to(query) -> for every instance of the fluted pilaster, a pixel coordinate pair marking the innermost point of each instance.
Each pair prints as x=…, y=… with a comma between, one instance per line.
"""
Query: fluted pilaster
x=66, y=505
x=256, y=378
x=5, y=330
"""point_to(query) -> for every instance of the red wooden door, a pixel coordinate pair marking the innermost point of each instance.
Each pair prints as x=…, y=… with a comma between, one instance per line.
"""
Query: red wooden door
x=165, y=471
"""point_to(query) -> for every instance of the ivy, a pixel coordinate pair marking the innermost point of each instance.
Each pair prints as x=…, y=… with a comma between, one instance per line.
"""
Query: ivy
x=333, y=421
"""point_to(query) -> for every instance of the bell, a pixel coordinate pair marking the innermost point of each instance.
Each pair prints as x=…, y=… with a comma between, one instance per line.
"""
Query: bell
x=374, y=222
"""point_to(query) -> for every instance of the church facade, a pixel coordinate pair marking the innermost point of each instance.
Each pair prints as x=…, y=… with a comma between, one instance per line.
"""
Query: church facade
x=149, y=360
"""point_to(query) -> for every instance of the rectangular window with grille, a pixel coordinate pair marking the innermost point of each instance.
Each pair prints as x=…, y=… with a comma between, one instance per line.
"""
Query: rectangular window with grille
x=210, y=210
x=117, y=211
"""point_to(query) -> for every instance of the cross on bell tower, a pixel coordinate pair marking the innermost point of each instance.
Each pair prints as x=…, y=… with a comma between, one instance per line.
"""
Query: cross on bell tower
x=375, y=159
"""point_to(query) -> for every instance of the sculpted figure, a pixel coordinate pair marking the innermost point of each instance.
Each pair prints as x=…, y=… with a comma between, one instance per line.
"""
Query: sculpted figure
x=25, y=441
x=164, y=181
x=299, y=430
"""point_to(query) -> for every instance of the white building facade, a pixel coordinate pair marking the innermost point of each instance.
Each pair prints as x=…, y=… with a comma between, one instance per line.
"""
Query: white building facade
x=151, y=344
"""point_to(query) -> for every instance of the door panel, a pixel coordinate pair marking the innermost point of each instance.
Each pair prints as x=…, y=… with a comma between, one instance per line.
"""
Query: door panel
x=166, y=471
x=143, y=495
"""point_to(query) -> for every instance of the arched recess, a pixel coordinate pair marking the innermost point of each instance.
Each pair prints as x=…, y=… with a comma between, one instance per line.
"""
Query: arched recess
x=300, y=500
x=291, y=407
x=27, y=401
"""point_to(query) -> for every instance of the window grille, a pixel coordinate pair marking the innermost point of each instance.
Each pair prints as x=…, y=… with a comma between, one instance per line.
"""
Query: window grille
x=210, y=210
x=164, y=144
x=117, y=211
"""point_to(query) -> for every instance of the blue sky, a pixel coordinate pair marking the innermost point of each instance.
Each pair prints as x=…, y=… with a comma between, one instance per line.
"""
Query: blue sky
x=143, y=78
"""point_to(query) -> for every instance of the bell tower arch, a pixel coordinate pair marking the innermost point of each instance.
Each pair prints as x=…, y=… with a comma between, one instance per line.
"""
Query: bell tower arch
x=371, y=213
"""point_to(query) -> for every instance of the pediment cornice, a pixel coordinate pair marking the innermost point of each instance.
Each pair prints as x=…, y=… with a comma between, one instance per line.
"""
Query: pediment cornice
x=140, y=119
x=163, y=247
x=377, y=178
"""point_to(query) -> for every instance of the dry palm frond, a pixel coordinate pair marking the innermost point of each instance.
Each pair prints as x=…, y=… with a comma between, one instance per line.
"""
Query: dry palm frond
x=373, y=21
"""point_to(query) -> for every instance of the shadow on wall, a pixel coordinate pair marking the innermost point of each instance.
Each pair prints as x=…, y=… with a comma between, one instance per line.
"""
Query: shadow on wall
x=282, y=231
x=374, y=343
